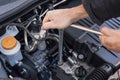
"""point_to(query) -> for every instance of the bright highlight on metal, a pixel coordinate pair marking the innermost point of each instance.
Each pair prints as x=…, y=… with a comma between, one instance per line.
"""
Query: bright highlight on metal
x=86, y=29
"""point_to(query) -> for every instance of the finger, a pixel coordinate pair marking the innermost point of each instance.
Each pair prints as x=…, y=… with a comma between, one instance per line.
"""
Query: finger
x=46, y=19
x=48, y=25
x=105, y=41
x=105, y=31
x=101, y=39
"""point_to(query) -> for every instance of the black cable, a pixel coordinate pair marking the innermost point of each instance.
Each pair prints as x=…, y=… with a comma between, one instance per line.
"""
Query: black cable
x=4, y=64
x=24, y=28
x=53, y=49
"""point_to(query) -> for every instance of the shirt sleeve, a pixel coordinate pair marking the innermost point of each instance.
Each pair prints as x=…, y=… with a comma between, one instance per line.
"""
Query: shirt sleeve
x=101, y=10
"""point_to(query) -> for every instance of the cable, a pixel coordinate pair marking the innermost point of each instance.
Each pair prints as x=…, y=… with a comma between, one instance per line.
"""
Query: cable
x=24, y=28
x=4, y=64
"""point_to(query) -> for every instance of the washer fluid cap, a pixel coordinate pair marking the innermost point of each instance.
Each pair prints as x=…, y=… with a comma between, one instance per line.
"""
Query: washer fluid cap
x=9, y=42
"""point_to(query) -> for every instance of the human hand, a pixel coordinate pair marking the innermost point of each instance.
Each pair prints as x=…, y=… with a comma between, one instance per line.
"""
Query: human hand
x=57, y=19
x=110, y=38
x=62, y=18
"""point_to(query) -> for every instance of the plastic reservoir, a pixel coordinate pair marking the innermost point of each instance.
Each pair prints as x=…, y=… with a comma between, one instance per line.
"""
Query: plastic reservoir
x=11, y=48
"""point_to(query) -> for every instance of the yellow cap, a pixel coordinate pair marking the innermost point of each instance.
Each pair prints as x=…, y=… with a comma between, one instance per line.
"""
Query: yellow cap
x=9, y=42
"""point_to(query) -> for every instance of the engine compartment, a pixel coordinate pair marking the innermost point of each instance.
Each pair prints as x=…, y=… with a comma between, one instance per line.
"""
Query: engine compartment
x=69, y=54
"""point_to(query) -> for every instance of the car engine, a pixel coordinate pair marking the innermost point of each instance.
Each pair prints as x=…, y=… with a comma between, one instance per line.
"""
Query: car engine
x=29, y=53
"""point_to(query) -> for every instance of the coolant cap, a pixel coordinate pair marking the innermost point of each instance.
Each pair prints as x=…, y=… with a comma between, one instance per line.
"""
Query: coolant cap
x=9, y=42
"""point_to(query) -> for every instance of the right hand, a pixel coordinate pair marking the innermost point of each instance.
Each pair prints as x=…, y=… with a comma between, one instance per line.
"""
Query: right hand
x=62, y=18
x=57, y=19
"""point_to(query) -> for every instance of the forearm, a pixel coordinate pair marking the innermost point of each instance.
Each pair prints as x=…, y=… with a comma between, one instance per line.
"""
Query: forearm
x=77, y=13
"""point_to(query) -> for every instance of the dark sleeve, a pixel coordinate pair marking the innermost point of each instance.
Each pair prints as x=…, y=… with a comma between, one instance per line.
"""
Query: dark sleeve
x=101, y=10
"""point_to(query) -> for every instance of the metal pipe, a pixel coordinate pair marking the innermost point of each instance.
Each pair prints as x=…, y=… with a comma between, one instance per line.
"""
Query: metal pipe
x=86, y=29
x=32, y=47
x=59, y=3
x=61, y=32
x=52, y=7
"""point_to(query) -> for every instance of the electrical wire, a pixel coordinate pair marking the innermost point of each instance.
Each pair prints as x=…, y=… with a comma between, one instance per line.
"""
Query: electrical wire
x=4, y=64
x=24, y=28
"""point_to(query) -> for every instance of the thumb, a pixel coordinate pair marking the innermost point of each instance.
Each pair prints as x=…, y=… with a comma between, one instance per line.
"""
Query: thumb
x=106, y=31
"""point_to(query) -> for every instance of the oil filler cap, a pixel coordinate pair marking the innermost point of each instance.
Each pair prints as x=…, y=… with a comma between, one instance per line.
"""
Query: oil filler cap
x=9, y=42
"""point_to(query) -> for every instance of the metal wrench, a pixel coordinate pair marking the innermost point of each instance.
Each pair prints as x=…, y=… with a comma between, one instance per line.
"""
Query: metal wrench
x=60, y=61
x=86, y=29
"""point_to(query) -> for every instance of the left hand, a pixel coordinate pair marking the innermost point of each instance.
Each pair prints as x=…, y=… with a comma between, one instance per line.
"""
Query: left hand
x=110, y=38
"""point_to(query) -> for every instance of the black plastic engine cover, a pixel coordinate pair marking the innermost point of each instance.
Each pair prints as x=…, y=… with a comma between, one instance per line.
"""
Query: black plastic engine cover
x=78, y=37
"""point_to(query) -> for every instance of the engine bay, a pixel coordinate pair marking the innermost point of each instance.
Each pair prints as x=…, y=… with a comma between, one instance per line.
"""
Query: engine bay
x=29, y=53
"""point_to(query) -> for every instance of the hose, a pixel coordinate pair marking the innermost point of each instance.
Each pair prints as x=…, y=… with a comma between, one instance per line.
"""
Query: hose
x=101, y=73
